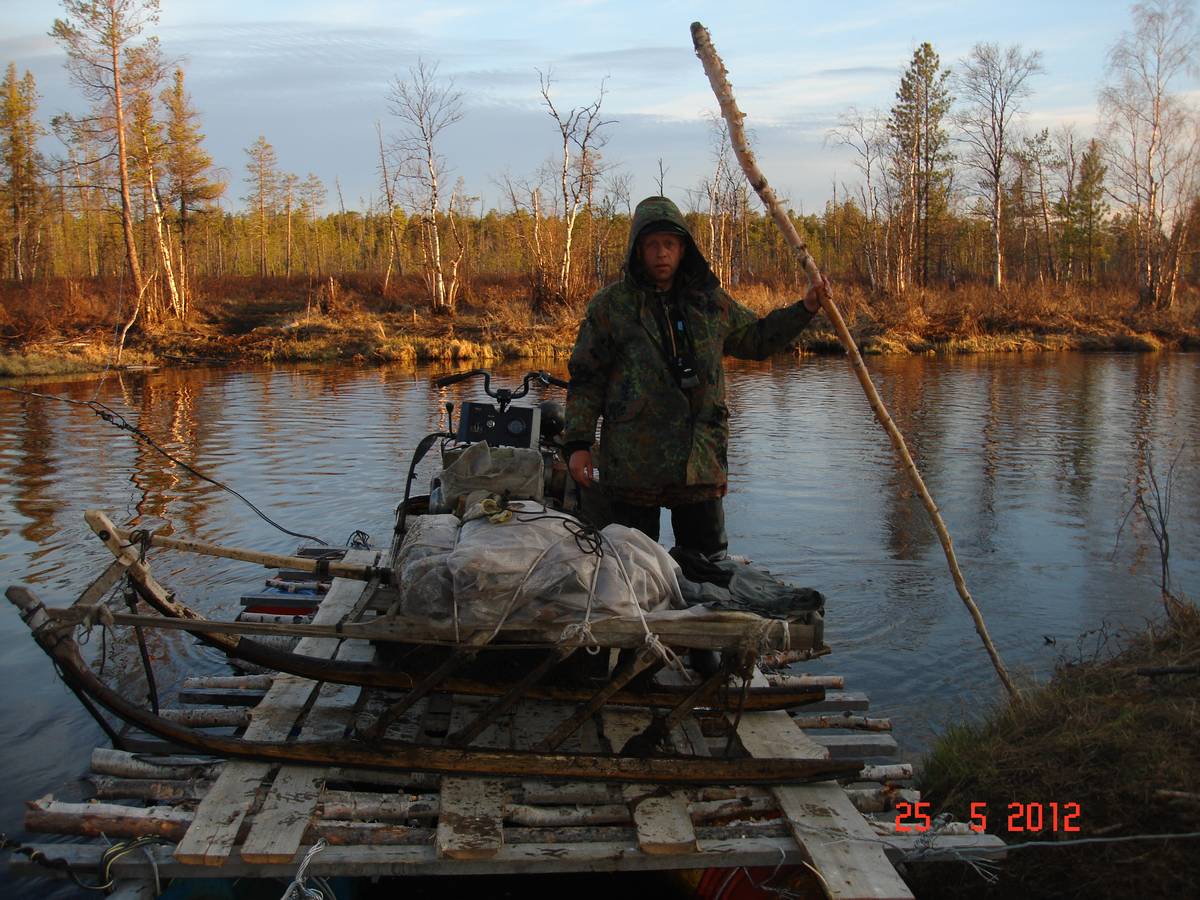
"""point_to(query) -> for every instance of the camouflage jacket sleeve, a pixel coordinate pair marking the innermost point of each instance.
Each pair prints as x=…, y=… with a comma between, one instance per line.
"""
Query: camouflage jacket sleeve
x=591, y=361
x=750, y=337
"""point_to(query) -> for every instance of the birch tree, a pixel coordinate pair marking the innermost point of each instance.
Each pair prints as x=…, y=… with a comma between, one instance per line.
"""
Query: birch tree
x=145, y=69
x=387, y=181
x=1150, y=137
x=425, y=108
x=866, y=135
x=992, y=83
x=580, y=132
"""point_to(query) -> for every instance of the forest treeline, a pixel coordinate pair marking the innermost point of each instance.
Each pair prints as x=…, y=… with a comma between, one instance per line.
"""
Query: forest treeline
x=952, y=192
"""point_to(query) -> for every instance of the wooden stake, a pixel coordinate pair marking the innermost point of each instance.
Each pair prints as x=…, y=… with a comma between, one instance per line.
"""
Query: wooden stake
x=717, y=77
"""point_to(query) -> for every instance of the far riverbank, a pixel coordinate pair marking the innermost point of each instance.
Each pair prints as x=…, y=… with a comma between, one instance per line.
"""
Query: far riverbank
x=48, y=332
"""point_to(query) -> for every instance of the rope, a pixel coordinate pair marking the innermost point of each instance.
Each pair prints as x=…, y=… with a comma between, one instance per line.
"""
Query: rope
x=298, y=888
x=114, y=418
x=499, y=519
x=763, y=639
x=661, y=650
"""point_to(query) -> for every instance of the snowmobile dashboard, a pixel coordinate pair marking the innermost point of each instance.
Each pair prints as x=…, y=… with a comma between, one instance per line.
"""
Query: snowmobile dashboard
x=501, y=424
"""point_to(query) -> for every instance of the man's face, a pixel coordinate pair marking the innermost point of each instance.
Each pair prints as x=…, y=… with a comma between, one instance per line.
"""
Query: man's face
x=661, y=253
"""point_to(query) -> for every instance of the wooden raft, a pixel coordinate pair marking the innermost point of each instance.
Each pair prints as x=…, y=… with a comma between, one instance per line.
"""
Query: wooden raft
x=247, y=819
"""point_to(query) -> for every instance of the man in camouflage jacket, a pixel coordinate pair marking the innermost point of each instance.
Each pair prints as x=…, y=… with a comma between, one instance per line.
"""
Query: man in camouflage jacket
x=648, y=359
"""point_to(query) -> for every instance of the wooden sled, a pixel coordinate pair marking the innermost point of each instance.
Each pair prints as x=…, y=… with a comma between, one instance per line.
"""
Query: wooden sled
x=539, y=762
x=735, y=634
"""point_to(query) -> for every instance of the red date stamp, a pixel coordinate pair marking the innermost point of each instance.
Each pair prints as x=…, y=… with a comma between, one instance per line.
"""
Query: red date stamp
x=1030, y=818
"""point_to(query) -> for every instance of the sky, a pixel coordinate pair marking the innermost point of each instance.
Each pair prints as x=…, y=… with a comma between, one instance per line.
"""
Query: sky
x=313, y=78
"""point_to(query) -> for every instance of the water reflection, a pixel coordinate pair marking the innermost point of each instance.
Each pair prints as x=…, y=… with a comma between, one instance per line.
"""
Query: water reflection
x=1033, y=460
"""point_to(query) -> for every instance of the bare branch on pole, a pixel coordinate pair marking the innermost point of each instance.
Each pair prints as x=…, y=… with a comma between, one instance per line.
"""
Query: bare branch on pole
x=717, y=77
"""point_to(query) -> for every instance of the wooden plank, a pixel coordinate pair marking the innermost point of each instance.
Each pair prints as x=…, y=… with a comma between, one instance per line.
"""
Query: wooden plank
x=833, y=834
x=854, y=746
x=533, y=858
x=664, y=825
x=291, y=804
x=471, y=819
x=662, y=820
x=210, y=839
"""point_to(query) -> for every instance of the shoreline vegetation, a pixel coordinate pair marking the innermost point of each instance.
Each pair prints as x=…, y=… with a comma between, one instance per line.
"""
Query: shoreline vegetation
x=74, y=326
x=1110, y=737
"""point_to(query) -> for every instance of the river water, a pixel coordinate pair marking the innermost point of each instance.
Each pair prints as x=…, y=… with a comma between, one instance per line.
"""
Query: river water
x=1034, y=460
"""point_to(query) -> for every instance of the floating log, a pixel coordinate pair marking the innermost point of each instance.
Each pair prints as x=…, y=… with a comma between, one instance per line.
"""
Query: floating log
x=112, y=820
x=781, y=658
x=531, y=853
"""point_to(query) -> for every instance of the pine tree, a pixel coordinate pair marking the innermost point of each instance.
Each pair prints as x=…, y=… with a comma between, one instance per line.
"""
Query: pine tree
x=190, y=181
x=19, y=164
x=921, y=150
x=1088, y=209
x=262, y=174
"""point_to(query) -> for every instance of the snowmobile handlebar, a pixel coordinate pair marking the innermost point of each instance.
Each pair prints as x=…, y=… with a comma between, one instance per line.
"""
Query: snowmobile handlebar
x=503, y=395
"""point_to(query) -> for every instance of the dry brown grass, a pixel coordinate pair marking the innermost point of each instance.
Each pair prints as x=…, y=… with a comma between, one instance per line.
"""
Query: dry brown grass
x=350, y=317
x=1100, y=735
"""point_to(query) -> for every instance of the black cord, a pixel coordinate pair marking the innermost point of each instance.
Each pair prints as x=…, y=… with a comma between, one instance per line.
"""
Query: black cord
x=112, y=417
x=587, y=536
x=107, y=859
x=359, y=540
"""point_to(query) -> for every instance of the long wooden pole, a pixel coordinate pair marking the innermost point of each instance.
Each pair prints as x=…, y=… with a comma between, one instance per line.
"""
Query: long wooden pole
x=100, y=523
x=718, y=78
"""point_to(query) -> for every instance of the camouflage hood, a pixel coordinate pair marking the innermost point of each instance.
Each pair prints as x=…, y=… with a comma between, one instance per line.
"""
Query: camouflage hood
x=694, y=271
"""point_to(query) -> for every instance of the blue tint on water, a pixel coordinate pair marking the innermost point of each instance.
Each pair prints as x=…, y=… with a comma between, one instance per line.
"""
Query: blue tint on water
x=1034, y=461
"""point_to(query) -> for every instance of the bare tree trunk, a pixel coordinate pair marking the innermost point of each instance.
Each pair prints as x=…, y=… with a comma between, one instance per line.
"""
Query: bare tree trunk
x=156, y=216
x=131, y=251
x=389, y=193
x=997, y=242
x=287, y=266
